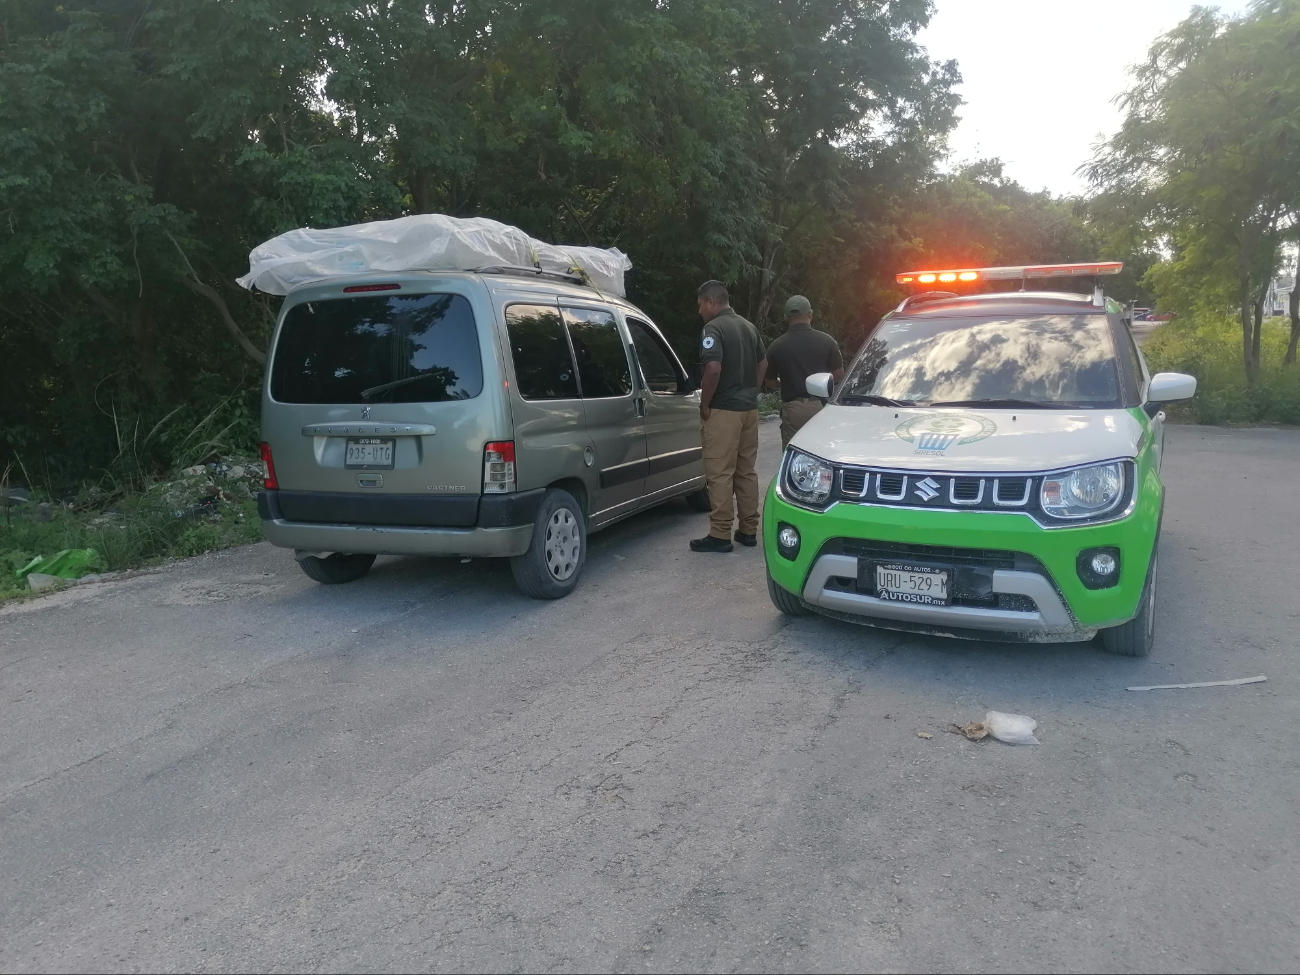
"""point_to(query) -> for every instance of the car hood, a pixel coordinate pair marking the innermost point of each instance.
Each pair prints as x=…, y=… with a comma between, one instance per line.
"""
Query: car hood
x=962, y=440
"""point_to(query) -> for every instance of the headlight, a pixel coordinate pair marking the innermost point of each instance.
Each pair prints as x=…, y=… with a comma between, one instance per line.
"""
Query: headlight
x=1083, y=493
x=808, y=478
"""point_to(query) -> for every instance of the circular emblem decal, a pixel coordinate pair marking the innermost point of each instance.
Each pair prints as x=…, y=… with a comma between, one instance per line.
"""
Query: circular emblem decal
x=708, y=341
x=936, y=432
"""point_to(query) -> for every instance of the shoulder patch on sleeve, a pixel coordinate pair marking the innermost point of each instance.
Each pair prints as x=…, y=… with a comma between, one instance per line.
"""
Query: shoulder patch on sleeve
x=708, y=342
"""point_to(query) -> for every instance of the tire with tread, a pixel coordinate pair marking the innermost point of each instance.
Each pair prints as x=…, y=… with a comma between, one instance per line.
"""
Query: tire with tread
x=337, y=568
x=784, y=600
x=1134, y=638
x=553, y=563
x=699, y=500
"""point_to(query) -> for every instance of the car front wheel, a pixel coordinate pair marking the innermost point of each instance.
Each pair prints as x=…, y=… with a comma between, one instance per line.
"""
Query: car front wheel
x=1134, y=638
x=554, y=560
x=786, y=601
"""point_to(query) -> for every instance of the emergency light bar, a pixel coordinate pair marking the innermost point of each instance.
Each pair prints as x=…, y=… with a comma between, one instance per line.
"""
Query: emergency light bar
x=1022, y=273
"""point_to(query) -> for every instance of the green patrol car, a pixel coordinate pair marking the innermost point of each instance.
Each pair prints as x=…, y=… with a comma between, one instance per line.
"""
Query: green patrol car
x=989, y=468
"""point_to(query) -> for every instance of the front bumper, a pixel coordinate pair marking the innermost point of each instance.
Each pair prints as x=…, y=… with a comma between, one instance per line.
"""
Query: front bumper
x=1063, y=608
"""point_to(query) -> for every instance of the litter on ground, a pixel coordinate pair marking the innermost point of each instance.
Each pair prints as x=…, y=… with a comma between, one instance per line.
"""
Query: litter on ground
x=1014, y=729
x=1205, y=683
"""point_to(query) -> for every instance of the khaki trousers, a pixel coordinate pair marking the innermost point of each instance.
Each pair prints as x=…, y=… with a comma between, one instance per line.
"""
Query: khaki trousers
x=794, y=414
x=730, y=442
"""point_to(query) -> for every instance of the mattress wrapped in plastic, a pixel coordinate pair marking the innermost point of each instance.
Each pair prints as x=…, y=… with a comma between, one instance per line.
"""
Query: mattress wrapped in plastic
x=428, y=241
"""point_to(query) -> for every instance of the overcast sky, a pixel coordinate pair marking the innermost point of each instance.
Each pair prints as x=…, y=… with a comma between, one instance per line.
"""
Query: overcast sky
x=1040, y=76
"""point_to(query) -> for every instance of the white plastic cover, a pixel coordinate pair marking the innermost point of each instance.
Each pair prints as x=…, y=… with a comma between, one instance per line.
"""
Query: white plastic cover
x=428, y=241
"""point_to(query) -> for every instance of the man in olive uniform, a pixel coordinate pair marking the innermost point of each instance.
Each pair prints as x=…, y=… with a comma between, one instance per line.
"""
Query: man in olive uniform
x=734, y=366
x=796, y=355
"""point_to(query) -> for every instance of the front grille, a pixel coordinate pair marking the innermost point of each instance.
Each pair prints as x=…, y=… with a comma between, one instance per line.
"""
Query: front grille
x=891, y=486
x=967, y=490
x=853, y=482
x=897, y=551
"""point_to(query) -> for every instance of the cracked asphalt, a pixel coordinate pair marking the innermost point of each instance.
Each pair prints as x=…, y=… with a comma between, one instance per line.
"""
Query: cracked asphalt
x=224, y=766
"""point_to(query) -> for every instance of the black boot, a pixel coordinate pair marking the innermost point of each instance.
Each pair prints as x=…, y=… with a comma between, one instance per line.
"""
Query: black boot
x=710, y=544
x=749, y=541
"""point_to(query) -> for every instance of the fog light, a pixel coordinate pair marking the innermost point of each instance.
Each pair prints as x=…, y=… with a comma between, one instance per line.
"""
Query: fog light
x=1099, y=567
x=787, y=541
x=1104, y=564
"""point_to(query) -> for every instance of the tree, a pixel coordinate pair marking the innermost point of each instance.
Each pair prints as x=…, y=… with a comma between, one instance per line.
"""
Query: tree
x=1208, y=157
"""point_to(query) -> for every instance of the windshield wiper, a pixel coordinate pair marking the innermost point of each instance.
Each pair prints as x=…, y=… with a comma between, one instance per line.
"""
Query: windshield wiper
x=875, y=400
x=994, y=404
x=385, y=387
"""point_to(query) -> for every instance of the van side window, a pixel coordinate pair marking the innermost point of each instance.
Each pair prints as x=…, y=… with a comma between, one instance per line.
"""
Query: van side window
x=659, y=366
x=598, y=346
x=543, y=365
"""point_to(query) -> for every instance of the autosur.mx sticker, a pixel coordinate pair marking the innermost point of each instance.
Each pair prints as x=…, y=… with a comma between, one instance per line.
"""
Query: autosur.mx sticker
x=933, y=433
x=708, y=341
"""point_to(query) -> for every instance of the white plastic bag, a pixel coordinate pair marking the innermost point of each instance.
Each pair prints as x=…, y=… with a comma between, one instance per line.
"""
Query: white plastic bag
x=1014, y=729
x=426, y=241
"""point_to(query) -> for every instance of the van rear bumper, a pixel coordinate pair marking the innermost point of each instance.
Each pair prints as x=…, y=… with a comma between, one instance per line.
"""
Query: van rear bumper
x=500, y=525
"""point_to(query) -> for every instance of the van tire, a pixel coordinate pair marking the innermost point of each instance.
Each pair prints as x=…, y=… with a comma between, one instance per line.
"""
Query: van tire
x=555, y=557
x=787, y=602
x=1134, y=638
x=699, y=500
x=336, y=568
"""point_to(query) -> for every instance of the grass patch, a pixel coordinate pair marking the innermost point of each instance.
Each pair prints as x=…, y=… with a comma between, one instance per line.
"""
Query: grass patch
x=1209, y=348
x=204, y=509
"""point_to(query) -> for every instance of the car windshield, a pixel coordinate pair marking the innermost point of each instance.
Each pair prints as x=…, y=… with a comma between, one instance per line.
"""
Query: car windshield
x=1043, y=362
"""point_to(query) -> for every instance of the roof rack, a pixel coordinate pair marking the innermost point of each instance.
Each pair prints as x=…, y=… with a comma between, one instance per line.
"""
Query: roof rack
x=911, y=301
x=535, y=272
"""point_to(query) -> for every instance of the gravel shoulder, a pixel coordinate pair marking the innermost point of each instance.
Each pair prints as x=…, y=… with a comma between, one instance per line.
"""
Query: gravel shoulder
x=224, y=766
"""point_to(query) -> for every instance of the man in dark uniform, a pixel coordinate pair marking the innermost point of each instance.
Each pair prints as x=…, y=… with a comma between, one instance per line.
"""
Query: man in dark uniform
x=796, y=355
x=735, y=363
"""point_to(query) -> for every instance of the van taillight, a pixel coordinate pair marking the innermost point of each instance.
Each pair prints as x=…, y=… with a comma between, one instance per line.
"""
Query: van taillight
x=269, y=464
x=356, y=288
x=499, y=467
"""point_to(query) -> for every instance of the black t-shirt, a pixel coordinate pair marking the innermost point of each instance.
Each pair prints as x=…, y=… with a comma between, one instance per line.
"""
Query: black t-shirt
x=798, y=354
x=734, y=342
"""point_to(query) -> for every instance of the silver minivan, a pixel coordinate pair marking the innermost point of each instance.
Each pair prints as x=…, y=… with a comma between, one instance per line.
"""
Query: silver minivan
x=499, y=412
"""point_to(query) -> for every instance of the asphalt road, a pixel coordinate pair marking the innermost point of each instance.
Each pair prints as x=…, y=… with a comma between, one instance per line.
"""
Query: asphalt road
x=225, y=766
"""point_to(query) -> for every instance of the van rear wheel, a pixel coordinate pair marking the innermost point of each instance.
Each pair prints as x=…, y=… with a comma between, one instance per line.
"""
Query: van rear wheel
x=554, y=560
x=336, y=568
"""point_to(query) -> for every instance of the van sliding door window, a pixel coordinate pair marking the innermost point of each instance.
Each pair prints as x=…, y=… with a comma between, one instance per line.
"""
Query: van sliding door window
x=598, y=346
x=390, y=349
x=543, y=365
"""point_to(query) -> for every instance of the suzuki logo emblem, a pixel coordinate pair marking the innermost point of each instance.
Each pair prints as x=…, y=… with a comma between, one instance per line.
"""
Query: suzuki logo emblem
x=365, y=413
x=928, y=489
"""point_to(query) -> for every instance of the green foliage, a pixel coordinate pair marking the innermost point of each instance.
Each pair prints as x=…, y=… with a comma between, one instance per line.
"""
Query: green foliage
x=1207, y=162
x=1208, y=347
x=139, y=528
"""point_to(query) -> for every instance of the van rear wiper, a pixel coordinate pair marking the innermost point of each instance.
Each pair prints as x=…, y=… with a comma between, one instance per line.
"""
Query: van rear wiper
x=385, y=387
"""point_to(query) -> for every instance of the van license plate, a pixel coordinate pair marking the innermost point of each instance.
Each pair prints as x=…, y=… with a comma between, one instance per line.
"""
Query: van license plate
x=912, y=584
x=370, y=452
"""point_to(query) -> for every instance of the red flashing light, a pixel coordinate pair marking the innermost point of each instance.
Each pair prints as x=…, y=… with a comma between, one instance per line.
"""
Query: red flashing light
x=1018, y=273
x=354, y=288
x=506, y=448
x=271, y=483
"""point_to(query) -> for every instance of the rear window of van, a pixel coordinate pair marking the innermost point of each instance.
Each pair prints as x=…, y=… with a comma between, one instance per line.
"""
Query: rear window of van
x=378, y=349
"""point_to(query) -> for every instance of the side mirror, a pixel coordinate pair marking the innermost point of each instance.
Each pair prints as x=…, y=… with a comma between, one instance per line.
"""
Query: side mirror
x=1166, y=387
x=821, y=385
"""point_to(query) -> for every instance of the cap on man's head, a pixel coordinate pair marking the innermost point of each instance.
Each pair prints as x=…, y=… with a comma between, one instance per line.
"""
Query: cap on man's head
x=797, y=305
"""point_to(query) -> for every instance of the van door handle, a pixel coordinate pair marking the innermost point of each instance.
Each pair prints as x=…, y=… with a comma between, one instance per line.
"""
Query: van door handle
x=398, y=429
x=639, y=402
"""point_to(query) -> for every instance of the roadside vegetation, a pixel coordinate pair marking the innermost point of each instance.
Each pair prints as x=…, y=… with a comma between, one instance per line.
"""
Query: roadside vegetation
x=1209, y=348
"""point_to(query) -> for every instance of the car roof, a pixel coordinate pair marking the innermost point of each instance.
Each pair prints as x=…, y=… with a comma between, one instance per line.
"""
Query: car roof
x=1001, y=303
